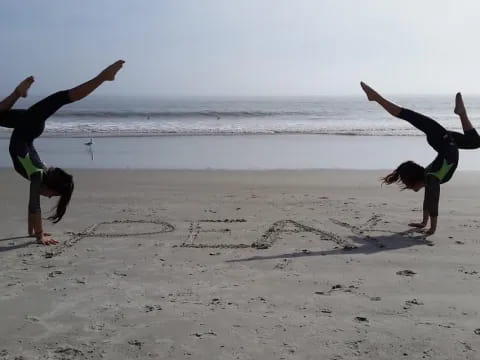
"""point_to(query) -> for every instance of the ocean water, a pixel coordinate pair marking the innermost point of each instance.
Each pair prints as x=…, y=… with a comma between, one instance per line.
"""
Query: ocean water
x=241, y=133
x=149, y=116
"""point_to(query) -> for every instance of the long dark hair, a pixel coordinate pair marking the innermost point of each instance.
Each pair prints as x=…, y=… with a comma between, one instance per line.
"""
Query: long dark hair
x=408, y=173
x=61, y=182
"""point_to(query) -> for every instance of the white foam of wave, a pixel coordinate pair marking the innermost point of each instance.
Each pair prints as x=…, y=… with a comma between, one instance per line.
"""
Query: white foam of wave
x=238, y=127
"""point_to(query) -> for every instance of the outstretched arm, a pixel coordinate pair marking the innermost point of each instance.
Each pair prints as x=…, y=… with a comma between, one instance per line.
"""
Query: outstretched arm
x=35, y=229
x=430, y=204
x=35, y=226
x=424, y=222
x=20, y=91
x=433, y=223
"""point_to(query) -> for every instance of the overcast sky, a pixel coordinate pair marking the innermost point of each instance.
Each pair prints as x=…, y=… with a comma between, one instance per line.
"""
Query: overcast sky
x=244, y=47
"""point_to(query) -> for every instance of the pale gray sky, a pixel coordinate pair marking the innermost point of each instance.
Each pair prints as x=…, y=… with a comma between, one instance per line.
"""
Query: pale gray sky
x=244, y=47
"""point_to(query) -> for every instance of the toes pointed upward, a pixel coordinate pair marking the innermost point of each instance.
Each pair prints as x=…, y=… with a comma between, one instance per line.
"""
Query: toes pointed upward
x=112, y=70
x=459, y=106
x=371, y=94
x=24, y=86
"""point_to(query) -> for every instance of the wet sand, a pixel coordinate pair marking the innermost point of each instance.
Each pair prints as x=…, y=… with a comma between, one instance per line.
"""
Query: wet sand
x=248, y=152
x=241, y=265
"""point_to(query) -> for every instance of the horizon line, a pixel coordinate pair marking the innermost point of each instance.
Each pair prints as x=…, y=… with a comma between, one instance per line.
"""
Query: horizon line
x=260, y=95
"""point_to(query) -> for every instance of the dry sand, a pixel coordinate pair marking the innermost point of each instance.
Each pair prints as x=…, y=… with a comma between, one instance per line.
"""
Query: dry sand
x=159, y=264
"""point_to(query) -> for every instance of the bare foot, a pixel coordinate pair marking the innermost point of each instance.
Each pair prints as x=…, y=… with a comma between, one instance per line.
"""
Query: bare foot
x=372, y=95
x=22, y=88
x=109, y=73
x=459, y=107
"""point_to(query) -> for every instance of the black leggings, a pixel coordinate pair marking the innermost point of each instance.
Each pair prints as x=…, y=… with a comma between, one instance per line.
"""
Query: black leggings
x=437, y=136
x=29, y=124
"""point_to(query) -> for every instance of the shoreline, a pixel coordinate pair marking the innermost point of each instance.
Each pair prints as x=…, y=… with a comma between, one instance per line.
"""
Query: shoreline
x=253, y=152
x=181, y=135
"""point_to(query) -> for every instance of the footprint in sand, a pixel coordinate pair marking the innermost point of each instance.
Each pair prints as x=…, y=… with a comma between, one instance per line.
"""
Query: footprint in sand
x=55, y=273
x=136, y=343
x=283, y=264
x=202, y=335
x=406, y=273
x=361, y=319
x=68, y=353
x=338, y=287
x=410, y=303
x=150, y=308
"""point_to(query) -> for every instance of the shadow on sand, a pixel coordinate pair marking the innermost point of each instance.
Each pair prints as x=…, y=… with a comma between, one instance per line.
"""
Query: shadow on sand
x=16, y=246
x=362, y=245
x=15, y=238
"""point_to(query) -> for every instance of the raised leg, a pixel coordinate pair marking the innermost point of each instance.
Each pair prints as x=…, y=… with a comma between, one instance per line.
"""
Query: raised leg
x=372, y=95
x=462, y=113
x=470, y=138
x=20, y=91
x=108, y=74
x=38, y=113
x=434, y=131
x=12, y=118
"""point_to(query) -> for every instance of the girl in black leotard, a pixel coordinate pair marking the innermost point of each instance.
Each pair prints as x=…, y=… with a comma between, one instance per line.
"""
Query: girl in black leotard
x=29, y=124
x=446, y=144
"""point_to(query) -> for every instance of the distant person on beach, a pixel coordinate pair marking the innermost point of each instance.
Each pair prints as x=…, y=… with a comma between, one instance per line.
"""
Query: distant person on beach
x=445, y=143
x=29, y=124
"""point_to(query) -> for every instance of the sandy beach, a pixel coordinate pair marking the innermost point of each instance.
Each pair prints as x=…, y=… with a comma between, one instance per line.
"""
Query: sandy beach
x=241, y=265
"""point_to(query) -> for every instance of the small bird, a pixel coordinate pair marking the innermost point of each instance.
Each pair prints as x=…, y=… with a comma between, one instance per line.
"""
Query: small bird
x=90, y=142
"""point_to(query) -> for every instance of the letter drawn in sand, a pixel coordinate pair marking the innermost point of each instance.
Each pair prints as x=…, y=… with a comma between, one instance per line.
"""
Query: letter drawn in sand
x=116, y=228
x=237, y=234
x=219, y=233
x=291, y=226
